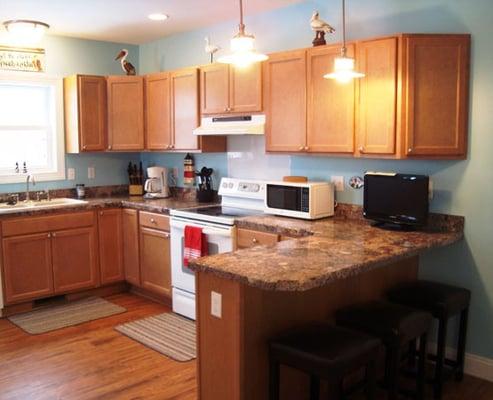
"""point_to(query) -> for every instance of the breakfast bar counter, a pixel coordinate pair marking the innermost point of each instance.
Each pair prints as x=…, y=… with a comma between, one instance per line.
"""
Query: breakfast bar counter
x=266, y=290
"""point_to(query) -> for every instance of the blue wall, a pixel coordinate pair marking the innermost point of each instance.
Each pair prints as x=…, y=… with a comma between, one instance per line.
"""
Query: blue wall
x=461, y=187
x=66, y=56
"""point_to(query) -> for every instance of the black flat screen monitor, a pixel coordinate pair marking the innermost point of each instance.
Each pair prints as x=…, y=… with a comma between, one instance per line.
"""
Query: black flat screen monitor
x=399, y=199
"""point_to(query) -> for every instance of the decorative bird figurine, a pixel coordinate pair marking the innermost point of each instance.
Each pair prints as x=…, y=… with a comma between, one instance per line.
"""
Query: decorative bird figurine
x=320, y=27
x=127, y=67
x=210, y=48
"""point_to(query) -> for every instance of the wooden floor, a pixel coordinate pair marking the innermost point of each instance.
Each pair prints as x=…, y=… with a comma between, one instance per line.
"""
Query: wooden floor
x=92, y=361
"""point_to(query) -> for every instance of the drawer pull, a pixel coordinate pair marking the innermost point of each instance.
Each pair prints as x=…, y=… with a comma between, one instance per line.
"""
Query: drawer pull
x=254, y=240
x=48, y=235
x=53, y=234
x=153, y=221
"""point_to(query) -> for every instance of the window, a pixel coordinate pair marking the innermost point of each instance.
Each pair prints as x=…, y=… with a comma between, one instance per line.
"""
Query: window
x=31, y=127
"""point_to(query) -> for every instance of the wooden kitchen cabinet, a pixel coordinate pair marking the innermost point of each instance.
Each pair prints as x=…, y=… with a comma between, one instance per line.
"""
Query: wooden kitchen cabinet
x=330, y=104
x=158, y=112
x=377, y=107
x=110, y=233
x=125, y=113
x=436, y=95
x=27, y=267
x=248, y=238
x=155, y=261
x=85, y=108
x=225, y=89
x=284, y=90
x=130, y=238
x=75, y=260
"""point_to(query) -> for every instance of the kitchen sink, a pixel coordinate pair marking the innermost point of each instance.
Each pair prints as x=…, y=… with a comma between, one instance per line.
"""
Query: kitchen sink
x=34, y=205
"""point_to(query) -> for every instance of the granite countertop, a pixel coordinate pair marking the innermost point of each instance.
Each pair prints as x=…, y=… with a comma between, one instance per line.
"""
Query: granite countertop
x=326, y=250
x=135, y=202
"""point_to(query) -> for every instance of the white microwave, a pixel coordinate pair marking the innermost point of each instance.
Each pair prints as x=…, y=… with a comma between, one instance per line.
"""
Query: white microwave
x=309, y=200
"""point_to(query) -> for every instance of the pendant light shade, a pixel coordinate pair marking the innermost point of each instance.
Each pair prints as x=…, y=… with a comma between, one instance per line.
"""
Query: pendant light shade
x=344, y=66
x=25, y=32
x=243, y=51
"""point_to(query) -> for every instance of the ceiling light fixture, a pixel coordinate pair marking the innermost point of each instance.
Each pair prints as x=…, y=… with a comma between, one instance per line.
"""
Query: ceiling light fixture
x=24, y=31
x=242, y=47
x=158, y=17
x=344, y=66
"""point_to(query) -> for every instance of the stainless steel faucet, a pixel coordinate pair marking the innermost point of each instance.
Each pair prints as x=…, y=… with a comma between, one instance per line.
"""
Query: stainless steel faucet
x=29, y=178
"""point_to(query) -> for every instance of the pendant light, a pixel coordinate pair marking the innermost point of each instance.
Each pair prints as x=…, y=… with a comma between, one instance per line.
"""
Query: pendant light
x=344, y=66
x=243, y=51
x=25, y=32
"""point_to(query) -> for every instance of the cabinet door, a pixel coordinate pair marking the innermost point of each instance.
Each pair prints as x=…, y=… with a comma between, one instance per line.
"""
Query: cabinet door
x=75, y=259
x=110, y=245
x=27, y=271
x=285, y=101
x=214, y=89
x=185, y=108
x=245, y=88
x=437, y=95
x=330, y=104
x=155, y=261
x=92, y=112
x=376, y=127
x=130, y=229
x=158, y=109
x=125, y=113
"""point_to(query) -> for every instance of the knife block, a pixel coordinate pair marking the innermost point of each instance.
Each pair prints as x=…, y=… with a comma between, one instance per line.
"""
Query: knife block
x=135, y=190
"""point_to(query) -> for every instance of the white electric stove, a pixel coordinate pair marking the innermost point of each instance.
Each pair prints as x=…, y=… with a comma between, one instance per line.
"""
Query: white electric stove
x=239, y=198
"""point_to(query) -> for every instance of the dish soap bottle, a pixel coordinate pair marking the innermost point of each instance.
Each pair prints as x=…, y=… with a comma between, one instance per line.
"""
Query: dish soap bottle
x=188, y=170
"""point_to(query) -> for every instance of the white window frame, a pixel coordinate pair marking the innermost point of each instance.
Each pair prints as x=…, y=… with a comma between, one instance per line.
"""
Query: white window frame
x=59, y=172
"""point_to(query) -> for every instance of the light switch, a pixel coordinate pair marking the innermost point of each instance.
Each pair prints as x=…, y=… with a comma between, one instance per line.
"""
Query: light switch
x=338, y=182
x=91, y=172
x=71, y=174
x=216, y=304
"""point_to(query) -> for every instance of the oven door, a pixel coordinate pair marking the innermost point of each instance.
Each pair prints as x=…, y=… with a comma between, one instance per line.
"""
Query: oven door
x=220, y=238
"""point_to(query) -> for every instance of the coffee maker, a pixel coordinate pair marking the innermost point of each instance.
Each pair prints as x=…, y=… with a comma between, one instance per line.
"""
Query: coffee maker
x=156, y=186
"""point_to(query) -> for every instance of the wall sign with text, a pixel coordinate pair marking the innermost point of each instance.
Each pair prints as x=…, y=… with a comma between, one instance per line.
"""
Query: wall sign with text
x=20, y=59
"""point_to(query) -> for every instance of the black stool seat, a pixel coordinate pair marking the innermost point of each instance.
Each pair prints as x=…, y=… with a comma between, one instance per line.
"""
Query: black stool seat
x=393, y=323
x=439, y=299
x=396, y=325
x=443, y=302
x=324, y=352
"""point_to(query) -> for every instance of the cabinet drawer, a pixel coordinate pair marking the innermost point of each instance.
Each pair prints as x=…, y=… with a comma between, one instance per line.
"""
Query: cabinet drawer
x=248, y=238
x=48, y=223
x=155, y=221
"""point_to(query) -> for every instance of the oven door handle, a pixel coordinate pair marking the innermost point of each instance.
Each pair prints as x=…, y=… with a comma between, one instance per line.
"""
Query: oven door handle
x=217, y=232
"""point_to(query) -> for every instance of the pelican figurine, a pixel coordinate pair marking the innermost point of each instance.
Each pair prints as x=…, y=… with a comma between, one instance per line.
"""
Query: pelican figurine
x=210, y=48
x=127, y=67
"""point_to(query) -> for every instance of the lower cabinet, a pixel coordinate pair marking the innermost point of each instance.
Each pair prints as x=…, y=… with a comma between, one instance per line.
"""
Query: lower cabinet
x=155, y=261
x=75, y=261
x=111, y=245
x=130, y=238
x=27, y=271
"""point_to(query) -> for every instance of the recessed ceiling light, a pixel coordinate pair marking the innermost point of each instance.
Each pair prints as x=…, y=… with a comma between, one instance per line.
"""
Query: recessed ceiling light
x=158, y=17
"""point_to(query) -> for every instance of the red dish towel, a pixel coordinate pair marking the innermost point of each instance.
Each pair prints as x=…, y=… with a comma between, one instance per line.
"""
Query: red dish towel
x=195, y=244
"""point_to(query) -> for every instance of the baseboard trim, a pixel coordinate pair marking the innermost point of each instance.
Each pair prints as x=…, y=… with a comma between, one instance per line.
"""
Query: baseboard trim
x=477, y=366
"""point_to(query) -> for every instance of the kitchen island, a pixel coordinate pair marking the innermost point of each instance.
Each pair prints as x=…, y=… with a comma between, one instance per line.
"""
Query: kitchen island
x=266, y=290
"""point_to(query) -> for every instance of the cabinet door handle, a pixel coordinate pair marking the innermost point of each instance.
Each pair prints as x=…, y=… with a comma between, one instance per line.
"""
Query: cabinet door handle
x=84, y=147
x=254, y=240
x=306, y=148
x=361, y=149
x=100, y=213
x=166, y=234
x=109, y=147
x=302, y=148
x=410, y=150
x=48, y=235
x=153, y=221
x=53, y=234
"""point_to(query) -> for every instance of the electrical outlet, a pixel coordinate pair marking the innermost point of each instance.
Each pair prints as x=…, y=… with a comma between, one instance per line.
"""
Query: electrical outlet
x=71, y=174
x=91, y=172
x=338, y=182
x=216, y=304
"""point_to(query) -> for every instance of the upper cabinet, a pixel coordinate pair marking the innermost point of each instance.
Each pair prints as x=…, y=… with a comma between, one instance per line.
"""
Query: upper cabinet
x=436, y=94
x=285, y=101
x=85, y=113
x=330, y=104
x=125, y=113
x=158, y=112
x=411, y=103
x=377, y=106
x=226, y=89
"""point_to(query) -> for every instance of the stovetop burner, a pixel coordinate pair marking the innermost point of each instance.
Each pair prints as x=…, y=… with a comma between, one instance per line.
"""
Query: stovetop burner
x=222, y=211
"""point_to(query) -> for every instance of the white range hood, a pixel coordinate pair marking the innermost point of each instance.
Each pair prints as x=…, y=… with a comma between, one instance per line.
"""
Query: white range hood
x=232, y=125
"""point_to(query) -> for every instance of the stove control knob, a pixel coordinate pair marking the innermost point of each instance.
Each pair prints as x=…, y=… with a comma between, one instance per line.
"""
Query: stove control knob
x=230, y=185
x=225, y=185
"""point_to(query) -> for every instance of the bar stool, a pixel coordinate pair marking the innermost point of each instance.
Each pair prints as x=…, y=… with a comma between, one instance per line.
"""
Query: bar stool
x=324, y=352
x=443, y=302
x=396, y=326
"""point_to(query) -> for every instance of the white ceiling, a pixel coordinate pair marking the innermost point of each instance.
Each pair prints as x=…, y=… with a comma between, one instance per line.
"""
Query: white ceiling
x=126, y=21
